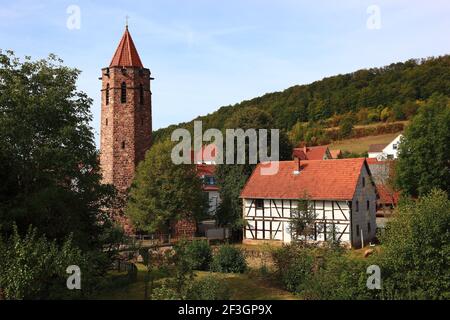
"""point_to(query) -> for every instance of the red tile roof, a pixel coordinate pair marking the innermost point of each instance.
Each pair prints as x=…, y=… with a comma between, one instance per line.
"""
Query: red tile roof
x=126, y=54
x=310, y=153
x=319, y=180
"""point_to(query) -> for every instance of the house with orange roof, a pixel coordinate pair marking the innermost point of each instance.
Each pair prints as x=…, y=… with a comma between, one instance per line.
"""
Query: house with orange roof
x=341, y=193
x=205, y=160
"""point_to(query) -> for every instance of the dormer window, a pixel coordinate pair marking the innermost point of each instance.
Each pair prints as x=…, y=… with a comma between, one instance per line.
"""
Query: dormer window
x=123, y=93
x=107, y=94
x=141, y=94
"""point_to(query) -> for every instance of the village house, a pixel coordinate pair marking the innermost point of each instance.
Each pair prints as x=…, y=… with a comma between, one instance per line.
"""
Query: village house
x=385, y=151
x=316, y=153
x=341, y=193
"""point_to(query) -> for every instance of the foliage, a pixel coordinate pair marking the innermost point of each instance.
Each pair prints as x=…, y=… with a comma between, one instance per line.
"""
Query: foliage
x=416, y=249
x=163, y=191
x=200, y=253
x=208, y=288
x=373, y=89
x=183, y=264
x=33, y=267
x=165, y=292
x=229, y=259
x=346, y=126
x=337, y=278
x=231, y=178
x=294, y=264
x=424, y=153
x=302, y=225
x=49, y=164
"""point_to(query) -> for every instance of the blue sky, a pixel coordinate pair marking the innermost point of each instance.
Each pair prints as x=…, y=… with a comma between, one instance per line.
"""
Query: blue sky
x=206, y=54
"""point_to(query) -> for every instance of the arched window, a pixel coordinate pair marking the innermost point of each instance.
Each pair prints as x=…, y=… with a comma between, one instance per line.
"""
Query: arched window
x=123, y=93
x=141, y=94
x=107, y=94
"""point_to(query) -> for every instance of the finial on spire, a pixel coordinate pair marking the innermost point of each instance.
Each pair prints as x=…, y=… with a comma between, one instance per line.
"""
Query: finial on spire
x=126, y=21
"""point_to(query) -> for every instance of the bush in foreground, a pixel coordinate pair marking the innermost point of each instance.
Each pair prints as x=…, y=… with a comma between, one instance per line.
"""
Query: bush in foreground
x=208, y=288
x=229, y=259
x=200, y=253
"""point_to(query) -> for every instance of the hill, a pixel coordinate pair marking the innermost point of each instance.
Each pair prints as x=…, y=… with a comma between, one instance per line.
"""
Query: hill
x=389, y=93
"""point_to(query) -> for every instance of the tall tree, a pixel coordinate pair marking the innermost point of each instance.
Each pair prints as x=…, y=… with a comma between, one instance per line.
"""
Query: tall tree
x=49, y=168
x=416, y=249
x=424, y=153
x=163, y=191
x=232, y=177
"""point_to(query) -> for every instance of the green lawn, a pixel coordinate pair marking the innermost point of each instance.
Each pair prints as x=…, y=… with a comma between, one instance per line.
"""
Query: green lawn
x=246, y=286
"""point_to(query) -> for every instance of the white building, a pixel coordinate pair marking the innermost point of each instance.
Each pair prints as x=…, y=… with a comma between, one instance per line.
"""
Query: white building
x=383, y=151
x=341, y=193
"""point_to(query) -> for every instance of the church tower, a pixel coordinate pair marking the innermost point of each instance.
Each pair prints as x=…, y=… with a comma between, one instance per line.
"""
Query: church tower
x=126, y=115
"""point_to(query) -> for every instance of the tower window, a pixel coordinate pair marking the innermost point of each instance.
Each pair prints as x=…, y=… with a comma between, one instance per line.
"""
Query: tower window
x=123, y=144
x=141, y=94
x=123, y=93
x=142, y=122
x=107, y=94
x=106, y=121
x=363, y=182
x=357, y=206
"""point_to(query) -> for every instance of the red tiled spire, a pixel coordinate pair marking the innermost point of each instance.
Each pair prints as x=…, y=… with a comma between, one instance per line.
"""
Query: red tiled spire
x=126, y=54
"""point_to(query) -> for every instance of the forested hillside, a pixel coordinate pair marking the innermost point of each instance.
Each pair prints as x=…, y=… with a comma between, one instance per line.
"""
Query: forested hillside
x=389, y=93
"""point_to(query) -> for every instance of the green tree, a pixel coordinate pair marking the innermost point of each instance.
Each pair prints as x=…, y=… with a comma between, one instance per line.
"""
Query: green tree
x=346, y=126
x=163, y=191
x=416, y=249
x=302, y=225
x=49, y=164
x=34, y=268
x=424, y=153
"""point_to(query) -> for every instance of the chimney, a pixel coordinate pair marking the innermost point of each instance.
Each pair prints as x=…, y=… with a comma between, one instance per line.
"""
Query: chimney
x=297, y=166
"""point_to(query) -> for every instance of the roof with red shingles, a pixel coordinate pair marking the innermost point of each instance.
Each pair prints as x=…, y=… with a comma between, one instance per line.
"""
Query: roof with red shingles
x=310, y=153
x=126, y=54
x=318, y=180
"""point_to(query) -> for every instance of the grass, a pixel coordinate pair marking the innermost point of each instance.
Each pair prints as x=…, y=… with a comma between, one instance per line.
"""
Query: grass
x=251, y=286
x=247, y=286
x=361, y=145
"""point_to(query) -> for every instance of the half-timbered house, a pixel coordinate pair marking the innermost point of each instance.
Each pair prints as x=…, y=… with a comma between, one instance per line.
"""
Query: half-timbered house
x=341, y=193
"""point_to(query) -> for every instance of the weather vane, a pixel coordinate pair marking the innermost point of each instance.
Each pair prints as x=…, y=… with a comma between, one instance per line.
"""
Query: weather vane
x=126, y=20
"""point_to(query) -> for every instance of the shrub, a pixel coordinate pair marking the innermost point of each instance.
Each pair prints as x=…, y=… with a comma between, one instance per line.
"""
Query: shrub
x=229, y=259
x=200, y=254
x=33, y=267
x=208, y=288
x=165, y=292
x=346, y=127
x=339, y=277
x=416, y=249
x=294, y=264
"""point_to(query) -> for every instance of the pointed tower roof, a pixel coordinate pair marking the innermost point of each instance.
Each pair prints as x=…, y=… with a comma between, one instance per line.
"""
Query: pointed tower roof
x=126, y=54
